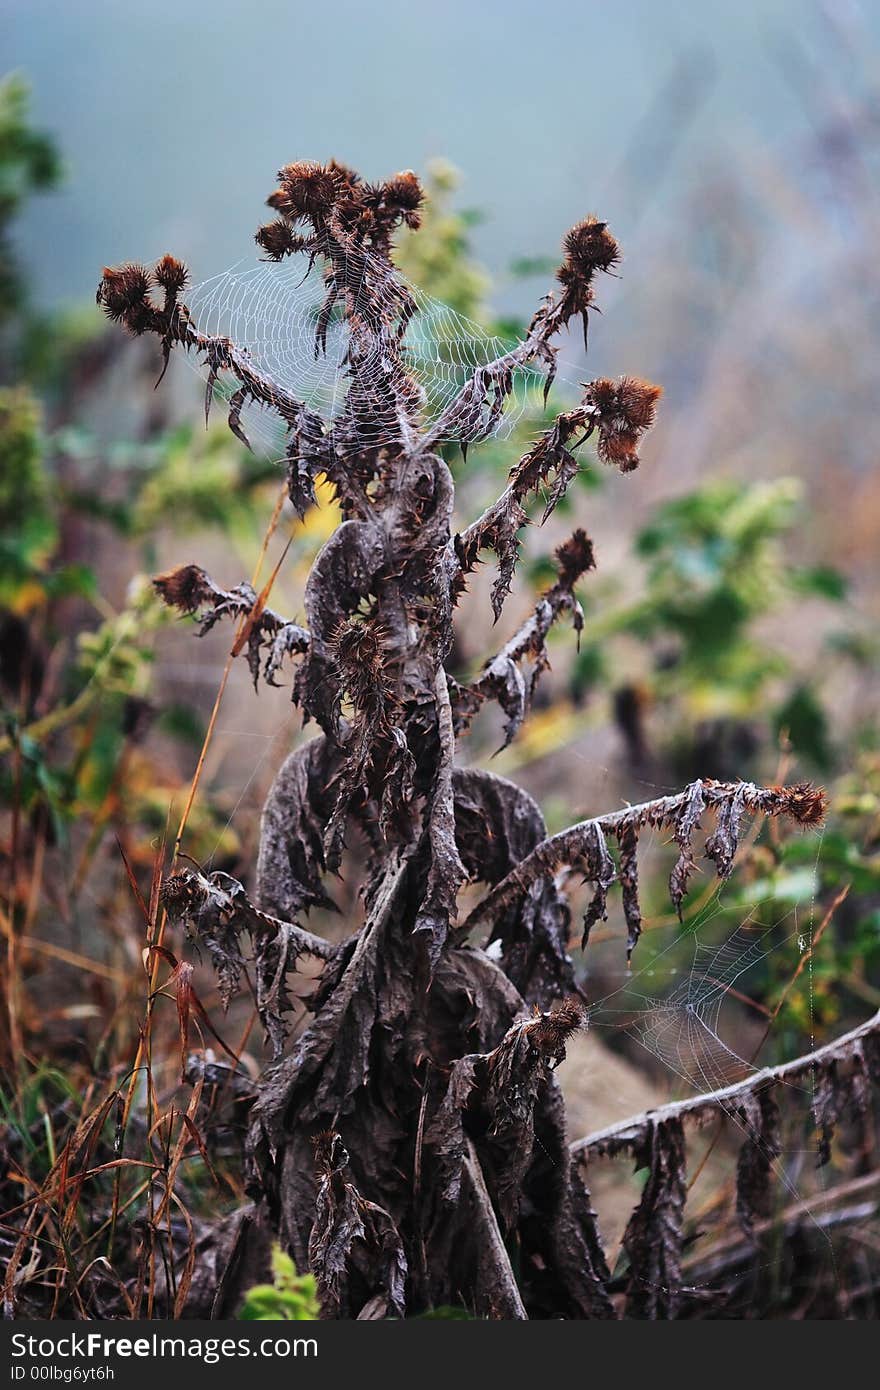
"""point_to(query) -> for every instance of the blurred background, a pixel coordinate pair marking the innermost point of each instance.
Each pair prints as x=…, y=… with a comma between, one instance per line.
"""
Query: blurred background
x=731, y=626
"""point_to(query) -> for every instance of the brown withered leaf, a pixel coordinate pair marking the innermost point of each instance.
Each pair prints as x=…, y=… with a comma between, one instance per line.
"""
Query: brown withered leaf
x=686, y=824
x=599, y=869
x=502, y=677
x=722, y=844
x=216, y=912
x=290, y=867
x=653, y=1236
x=759, y=1114
x=628, y=840
x=355, y=1250
x=532, y=929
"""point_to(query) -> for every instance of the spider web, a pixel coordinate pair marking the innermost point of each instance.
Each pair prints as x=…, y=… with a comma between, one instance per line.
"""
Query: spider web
x=676, y=1012
x=271, y=310
x=674, y=1004
x=683, y=1028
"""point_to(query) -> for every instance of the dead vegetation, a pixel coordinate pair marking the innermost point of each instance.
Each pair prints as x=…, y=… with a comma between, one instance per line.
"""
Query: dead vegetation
x=409, y=1145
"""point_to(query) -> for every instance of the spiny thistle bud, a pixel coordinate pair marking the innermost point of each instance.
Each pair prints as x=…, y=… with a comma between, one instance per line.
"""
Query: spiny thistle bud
x=549, y=1032
x=171, y=274
x=123, y=294
x=180, y=893
x=574, y=558
x=806, y=804
x=331, y=1155
x=311, y=188
x=345, y=177
x=361, y=658
x=624, y=411
x=184, y=588
x=404, y=193
x=589, y=247
x=278, y=240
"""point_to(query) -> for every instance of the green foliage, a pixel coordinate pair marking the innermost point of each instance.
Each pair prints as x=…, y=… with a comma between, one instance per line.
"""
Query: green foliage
x=290, y=1296
x=29, y=163
x=713, y=565
x=716, y=563
x=30, y=1113
x=802, y=722
x=27, y=527
x=438, y=258
x=199, y=480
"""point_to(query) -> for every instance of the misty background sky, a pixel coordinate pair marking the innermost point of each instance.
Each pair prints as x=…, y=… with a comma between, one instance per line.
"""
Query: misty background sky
x=174, y=115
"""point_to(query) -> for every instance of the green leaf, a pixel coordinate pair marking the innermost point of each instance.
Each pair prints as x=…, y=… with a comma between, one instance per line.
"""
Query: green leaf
x=823, y=581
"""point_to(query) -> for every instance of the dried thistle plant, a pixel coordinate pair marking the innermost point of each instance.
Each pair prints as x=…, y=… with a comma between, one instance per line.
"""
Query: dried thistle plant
x=421, y=1057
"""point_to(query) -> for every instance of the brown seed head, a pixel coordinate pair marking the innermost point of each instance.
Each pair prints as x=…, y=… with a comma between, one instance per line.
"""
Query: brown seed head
x=311, y=188
x=404, y=194
x=550, y=1031
x=806, y=804
x=589, y=247
x=184, y=588
x=625, y=410
x=123, y=294
x=574, y=558
x=180, y=893
x=278, y=240
x=171, y=274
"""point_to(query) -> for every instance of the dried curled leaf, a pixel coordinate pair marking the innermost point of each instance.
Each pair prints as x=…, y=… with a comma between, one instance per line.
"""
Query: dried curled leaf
x=533, y=932
x=503, y=1085
x=685, y=826
x=601, y=871
x=653, y=1236
x=722, y=844
x=759, y=1115
x=290, y=867
x=502, y=678
x=355, y=1250
x=628, y=840
x=216, y=911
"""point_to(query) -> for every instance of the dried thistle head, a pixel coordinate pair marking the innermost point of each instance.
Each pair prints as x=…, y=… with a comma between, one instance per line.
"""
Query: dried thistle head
x=806, y=804
x=310, y=189
x=124, y=295
x=184, y=588
x=362, y=662
x=574, y=558
x=278, y=239
x=345, y=177
x=331, y=1155
x=623, y=412
x=181, y=893
x=589, y=247
x=404, y=194
x=171, y=274
x=549, y=1032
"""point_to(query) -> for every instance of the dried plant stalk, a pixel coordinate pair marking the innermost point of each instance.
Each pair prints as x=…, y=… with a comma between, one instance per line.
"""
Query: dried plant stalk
x=421, y=1058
